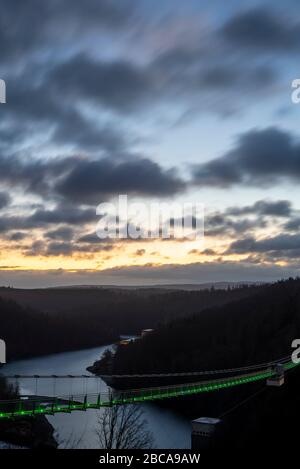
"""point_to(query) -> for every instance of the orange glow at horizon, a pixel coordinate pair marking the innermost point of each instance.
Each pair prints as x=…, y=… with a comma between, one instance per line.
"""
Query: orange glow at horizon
x=134, y=253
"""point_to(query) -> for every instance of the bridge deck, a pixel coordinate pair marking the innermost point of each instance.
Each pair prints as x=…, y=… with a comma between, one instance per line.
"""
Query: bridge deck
x=49, y=405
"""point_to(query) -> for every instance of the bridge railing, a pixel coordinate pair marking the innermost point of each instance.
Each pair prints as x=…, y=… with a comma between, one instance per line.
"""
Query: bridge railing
x=31, y=405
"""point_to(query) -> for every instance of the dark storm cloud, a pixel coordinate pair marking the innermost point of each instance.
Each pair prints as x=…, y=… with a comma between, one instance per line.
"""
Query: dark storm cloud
x=42, y=98
x=293, y=224
x=36, y=249
x=28, y=26
x=210, y=68
x=279, y=208
x=209, y=252
x=234, y=221
x=58, y=249
x=8, y=223
x=282, y=242
x=90, y=181
x=64, y=233
x=62, y=214
x=232, y=77
x=39, y=248
x=220, y=224
x=259, y=158
x=49, y=98
x=17, y=236
x=205, y=252
x=288, y=255
x=262, y=29
x=61, y=248
x=119, y=85
x=48, y=103
x=32, y=175
x=45, y=109
x=74, y=129
x=90, y=238
x=41, y=218
x=124, y=86
x=4, y=199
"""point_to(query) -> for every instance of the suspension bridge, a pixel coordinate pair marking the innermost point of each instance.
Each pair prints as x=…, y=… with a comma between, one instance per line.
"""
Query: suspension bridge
x=32, y=405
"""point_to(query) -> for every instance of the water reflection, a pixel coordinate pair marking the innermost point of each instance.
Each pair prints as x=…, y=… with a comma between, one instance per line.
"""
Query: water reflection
x=78, y=428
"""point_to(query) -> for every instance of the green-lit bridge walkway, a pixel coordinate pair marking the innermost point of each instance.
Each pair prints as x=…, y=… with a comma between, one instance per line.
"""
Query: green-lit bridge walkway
x=49, y=405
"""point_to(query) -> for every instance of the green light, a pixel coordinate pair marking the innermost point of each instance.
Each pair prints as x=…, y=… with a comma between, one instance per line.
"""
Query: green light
x=150, y=395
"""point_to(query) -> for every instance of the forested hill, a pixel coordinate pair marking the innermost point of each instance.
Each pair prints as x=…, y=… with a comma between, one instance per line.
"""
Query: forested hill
x=28, y=332
x=250, y=330
x=36, y=322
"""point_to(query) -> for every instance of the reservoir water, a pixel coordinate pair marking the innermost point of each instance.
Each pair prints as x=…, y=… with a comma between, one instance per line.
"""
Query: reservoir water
x=78, y=429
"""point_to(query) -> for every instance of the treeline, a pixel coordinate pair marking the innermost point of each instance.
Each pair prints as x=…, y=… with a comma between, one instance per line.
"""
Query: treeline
x=7, y=391
x=32, y=333
x=85, y=318
x=251, y=330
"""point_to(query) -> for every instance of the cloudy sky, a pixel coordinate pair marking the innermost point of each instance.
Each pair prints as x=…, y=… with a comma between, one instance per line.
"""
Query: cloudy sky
x=179, y=101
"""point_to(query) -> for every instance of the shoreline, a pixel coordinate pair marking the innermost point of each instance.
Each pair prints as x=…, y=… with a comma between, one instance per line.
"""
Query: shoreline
x=29, y=432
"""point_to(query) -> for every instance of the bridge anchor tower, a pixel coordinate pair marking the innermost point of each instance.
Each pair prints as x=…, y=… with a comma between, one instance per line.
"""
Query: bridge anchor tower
x=205, y=431
x=277, y=379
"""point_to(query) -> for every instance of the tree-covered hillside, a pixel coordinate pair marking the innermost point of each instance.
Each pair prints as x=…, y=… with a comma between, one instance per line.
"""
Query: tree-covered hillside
x=251, y=330
x=36, y=322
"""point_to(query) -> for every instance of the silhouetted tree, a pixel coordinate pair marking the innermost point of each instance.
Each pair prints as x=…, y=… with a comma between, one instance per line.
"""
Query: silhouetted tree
x=123, y=427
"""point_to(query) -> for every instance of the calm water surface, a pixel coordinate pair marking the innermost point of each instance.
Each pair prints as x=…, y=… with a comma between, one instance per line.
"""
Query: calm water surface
x=79, y=428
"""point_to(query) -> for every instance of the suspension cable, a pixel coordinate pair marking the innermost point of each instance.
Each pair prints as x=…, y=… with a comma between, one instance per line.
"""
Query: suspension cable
x=261, y=366
x=236, y=406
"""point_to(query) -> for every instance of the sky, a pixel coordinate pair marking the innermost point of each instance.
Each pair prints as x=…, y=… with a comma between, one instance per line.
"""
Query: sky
x=162, y=101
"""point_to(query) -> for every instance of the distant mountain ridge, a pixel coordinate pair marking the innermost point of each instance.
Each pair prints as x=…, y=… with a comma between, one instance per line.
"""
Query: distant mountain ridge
x=167, y=286
x=35, y=322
